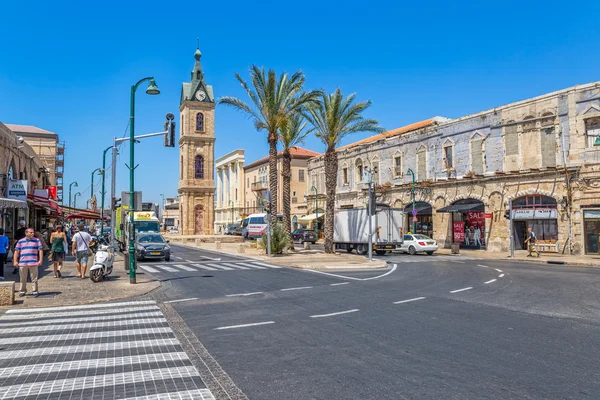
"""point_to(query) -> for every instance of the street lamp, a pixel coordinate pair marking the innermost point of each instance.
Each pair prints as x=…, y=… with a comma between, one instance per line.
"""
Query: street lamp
x=411, y=172
x=103, y=192
x=162, y=208
x=152, y=89
x=87, y=204
x=92, y=189
x=75, y=199
x=76, y=185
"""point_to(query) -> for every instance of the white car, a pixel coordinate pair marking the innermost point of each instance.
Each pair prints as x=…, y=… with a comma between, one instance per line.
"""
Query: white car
x=414, y=244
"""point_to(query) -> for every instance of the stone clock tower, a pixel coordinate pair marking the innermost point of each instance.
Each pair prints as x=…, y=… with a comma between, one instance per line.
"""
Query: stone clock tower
x=196, y=155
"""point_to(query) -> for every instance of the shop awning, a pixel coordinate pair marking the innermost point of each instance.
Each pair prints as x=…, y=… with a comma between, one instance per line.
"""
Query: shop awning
x=462, y=208
x=12, y=203
x=309, y=218
x=45, y=203
x=419, y=206
x=85, y=215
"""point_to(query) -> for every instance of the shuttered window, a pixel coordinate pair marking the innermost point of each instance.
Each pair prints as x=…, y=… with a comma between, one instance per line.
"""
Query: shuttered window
x=477, y=156
x=548, y=141
x=421, y=165
x=511, y=140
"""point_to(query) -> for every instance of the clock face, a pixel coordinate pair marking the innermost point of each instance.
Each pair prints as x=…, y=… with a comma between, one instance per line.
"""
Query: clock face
x=200, y=95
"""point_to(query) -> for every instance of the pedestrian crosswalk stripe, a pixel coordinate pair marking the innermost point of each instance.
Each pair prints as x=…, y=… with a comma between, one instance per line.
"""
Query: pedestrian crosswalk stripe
x=198, y=394
x=265, y=265
x=167, y=268
x=253, y=266
x=204, y=267
x=82, y=307
x=238, y=266
x=87, y=325
x=185, y=267
x=72, y=314
x=148, y=268
x=90, y=382
x=86, y=348
x=219, y=266
x=125, y=316
x=45, y=368
x=88, y=335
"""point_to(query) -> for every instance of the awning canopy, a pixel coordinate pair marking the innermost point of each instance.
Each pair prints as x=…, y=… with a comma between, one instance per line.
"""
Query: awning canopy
x=12, y=203
x=309, y=218
x=420, y=206
x=85, y=215
x=45, y=203
x=462, y=208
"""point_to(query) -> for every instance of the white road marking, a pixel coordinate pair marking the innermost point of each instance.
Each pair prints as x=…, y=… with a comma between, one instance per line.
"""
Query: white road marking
x=499, y=270
x=211, y=258
x=244, y=325
x=181, y=300
x=169, y=269
x=490, y=281
x=458, y=262
x=132, y=316
x=86, y=325
x=148, y=268
x=338, y=284
x=265, y=265
x=87, y=335
x=185, y=267
x=501, y=276
x=200, y=394
x=218, y=266
x=235, y=266
x=335, y=313
x=461, y=290
x=72, y=314
x=203, y=267
x=296, y=288
x=482, y=266
x=83, y=307
x=251, y=266
x=179, y=258
x=243, y=294
x=190, y=261
x=409, y=300
x=353, y=278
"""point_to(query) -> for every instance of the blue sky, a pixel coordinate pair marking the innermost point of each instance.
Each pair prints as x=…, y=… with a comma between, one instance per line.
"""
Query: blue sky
x=67, y=67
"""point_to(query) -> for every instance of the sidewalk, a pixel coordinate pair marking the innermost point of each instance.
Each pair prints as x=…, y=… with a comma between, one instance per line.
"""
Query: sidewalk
x=521, y=255
x=300, y=258
x=72, y=290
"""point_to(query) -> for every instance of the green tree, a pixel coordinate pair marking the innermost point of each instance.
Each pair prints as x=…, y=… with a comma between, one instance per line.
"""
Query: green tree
x=273, y=101
x=334, y=118
x=290, y=135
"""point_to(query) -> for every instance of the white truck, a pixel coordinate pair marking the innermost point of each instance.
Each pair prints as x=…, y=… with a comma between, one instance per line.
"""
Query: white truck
x=351, y=230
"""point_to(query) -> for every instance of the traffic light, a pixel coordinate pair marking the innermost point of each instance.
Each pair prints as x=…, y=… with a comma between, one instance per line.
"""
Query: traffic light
x=170, y=131
x=115, y=203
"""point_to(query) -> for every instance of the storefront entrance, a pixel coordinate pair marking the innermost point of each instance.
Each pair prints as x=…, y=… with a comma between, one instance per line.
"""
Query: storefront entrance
x=468, y=223
x=539, y=213
x=592, y=231
x=424, y=224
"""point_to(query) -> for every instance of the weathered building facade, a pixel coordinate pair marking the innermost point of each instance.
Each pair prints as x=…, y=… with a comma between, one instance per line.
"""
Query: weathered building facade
x=229, y=199
x=537, y=154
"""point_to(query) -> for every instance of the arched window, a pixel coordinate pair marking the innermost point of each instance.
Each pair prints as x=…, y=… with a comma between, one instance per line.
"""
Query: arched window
x=199, y=167
x=359, y=171
x=11, y=171
x=200, y=122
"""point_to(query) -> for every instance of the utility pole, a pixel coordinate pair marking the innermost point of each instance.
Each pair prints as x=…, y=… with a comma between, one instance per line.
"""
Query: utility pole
x=113, y=188
x=369, y=177
x=412, y=194
x=510, y=223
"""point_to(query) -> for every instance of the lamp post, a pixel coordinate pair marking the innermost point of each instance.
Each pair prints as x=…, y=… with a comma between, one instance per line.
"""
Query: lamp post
x=412, y=193
x=103, y=191
x=75, y=199
x=162, y=208
x=76, y=185
x=152, y=89
x=92, y=187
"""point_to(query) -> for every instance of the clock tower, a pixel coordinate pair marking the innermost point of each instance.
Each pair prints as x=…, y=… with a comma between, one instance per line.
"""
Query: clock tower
x=196, y=154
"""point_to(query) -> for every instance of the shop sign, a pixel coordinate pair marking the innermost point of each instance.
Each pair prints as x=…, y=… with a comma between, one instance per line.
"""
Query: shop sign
x=17, y=189
x=535, y=214
x=591, y=214
x=487, y=215
x=52, y=192
x=459, y=232
x=475, y=230
x=142, y=216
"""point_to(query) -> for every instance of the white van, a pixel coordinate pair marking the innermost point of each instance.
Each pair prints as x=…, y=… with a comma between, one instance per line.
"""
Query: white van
x=257, y=225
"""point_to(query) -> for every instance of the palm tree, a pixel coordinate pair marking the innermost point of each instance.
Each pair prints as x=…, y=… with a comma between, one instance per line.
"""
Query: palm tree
x=334, y=118
x=273, y=102
x=290, y=135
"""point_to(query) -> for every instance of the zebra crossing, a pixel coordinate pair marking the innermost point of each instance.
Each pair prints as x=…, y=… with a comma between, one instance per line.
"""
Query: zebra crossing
x=180, y=267
x=127, y=352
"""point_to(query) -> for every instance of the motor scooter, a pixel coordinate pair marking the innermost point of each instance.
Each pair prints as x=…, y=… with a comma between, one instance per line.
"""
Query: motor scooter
x=103, y=263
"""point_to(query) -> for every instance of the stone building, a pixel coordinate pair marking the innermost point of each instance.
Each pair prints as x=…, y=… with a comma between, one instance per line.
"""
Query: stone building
x=256, y=183
x=537, y=154
x=229, y=199
x=170, y=214
x=196, y=149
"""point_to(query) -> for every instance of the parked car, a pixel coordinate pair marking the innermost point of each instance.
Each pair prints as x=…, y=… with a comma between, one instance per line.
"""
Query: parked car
x=304, y=235
x=238, y=230
x=152, y=246
x=230, y=229
x=414, y=244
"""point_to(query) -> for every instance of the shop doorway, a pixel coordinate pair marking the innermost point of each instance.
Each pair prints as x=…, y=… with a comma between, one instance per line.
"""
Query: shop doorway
x=424, y=224
x=520, y=233
x=468, y=223
x=591, y=236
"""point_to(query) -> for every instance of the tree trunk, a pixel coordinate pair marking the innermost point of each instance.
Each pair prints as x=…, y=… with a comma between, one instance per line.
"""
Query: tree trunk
x=273, y=175
x=286, y=201
x=331, y=170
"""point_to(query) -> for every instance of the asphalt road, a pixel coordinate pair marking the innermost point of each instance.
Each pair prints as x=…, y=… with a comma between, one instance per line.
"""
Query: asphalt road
x=432, y=327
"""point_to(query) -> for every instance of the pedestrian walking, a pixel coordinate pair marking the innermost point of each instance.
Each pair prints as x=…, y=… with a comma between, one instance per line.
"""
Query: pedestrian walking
x=4, y=246
x=58, y=241
x=28, y=257
x=531, y=239
x=19, y=234
x=81, y=248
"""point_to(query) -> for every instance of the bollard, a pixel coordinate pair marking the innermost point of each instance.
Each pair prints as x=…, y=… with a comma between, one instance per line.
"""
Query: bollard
x=306, y=245
x=218, y=244
x=198, y=243
x=241, y=248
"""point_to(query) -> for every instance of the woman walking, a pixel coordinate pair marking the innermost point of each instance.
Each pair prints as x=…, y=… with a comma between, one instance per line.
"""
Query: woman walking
x=58, y=240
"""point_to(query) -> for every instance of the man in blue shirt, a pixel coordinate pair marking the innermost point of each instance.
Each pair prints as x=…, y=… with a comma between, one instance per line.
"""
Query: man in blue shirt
x=3, y=252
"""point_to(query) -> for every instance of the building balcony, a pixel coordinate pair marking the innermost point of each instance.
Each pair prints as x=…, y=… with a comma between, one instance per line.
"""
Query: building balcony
x=258, y=186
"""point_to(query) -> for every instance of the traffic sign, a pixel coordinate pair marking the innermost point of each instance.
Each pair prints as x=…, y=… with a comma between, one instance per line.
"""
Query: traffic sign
x=414, y=212
x=415, y=219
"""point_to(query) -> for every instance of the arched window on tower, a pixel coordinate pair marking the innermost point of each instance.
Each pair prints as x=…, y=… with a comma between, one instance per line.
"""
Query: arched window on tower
x=199, y=167
x=200, y=122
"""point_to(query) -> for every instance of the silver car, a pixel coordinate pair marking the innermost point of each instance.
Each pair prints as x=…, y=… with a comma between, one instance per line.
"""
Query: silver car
x=416, y=243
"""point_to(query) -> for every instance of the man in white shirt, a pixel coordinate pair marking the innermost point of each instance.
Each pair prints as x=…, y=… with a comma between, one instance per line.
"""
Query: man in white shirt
x=80, y=247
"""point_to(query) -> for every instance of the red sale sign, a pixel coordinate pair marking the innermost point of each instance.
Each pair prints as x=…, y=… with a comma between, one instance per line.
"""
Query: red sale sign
x=459, y=232
x=51, y=192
